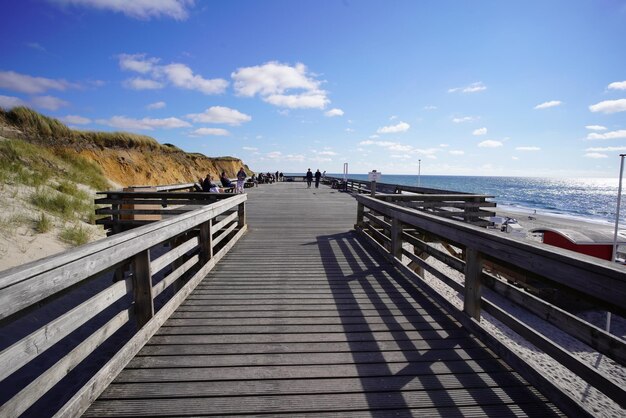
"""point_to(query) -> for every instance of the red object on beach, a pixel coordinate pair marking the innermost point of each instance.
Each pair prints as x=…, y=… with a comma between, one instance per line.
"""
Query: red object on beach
x=590, y=242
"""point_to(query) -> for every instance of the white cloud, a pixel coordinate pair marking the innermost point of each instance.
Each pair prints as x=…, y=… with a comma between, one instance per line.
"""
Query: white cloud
x=444, y=145
x=596, y=127
x=528, y=149
x=596, y=155
x=148, y=124
x=472, y=88
x=606, y=149
x=547, y=105
x=349, y=130
x=334, y=112
x=176, y=74
x=49, y=102
x=23, y=83
x=480, y=132
x=138, y=63
x=181, y=76
x=618, y=85
x=250, y=149
x=279, y=156
x=138, y=9
x=76, y=120
x=392, y=129
x=490, y=144
x=609, y=106
x=329, y=153
x=463, y=119
x=308, y=100
x=281, y=85
x=608, y=135
x=210, y=131
x=397, y=147
x=220, y=114
x=139, y=83
x=515, y=158
x=10, y=101
x=156, y=105
x=457, y=152
x=430, y=107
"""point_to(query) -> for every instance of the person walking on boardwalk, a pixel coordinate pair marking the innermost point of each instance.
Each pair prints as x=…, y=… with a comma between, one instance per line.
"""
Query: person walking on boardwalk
x=318, y=176
x=241, y=178
x=309, y=178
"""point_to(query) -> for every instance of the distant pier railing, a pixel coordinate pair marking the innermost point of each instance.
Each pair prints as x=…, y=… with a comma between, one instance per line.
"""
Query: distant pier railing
x=418, y=242
x=112, y=294
x=465, y=207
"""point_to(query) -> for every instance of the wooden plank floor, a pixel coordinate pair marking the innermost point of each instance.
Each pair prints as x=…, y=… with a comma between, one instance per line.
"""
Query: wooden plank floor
x=301, y=318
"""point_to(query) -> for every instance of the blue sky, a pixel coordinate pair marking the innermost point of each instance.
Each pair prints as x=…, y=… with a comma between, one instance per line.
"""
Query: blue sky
x=532, y=88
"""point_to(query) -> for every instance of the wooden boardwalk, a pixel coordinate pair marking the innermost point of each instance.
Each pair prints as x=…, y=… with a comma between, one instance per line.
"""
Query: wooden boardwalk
x=301, y=318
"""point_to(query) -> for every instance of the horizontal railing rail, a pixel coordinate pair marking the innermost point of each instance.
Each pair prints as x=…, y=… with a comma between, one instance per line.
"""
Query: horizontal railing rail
x=126, y=210
x=96, y=309
x=465, y=207
x=412, y=239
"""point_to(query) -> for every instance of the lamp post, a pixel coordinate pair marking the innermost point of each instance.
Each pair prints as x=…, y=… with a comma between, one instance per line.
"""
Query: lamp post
x=419, y=172
x=619, y=201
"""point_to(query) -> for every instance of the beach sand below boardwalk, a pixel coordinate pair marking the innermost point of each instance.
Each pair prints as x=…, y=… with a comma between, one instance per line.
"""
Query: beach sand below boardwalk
x=530, y=220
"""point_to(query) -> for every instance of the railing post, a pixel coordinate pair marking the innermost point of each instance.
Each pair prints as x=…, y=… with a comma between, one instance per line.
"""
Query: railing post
x=241, y=212
x=142, y=288
x=360, y=210
x=396, y=239
x=206, y=242
x=473, y=271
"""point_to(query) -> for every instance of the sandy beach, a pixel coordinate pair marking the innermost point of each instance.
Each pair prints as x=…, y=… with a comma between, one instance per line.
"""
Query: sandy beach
x=530, y=220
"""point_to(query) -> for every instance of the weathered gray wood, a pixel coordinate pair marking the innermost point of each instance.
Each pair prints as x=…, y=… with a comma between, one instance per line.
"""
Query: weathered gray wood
x=601, y=280
x=38, y=387
x=23, y=351
x=241, y=214
x=174, y=275
x=225, y=233
x=473, y=272
x=568, y=403
x=307, y=386
x=396, y=238
x=25, y=285
x=473, y=292
x=166, y=259
x=142, y=288
x=92, y=389
x=595, y=377
x=227, y=220
x=298, y=267
x=206, y=241
x=434, y=271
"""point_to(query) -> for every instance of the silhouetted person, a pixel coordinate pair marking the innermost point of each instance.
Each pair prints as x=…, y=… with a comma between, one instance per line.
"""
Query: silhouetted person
x=309, y=178
x=318, y=176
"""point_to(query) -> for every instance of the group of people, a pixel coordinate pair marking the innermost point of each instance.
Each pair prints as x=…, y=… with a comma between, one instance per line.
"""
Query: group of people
x=207, y=184
x=318, y=176
x=269, y=177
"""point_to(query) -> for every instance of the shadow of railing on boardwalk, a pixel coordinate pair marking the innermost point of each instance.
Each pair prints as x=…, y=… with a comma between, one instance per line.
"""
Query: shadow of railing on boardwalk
x=439, y=365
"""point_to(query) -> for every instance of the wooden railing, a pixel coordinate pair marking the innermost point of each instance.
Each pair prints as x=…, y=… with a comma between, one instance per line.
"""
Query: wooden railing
x=412, y=239
x=127, y=210
x=63, y=309
x=464, y=207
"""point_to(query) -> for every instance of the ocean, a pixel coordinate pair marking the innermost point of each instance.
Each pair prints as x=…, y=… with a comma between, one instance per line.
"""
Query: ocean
x=593, y=199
